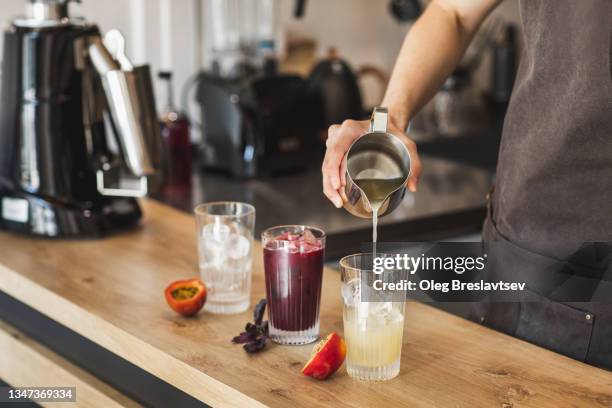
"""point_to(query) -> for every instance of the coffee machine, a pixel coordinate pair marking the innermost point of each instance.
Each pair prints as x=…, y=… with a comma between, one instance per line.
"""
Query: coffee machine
x=79, y=136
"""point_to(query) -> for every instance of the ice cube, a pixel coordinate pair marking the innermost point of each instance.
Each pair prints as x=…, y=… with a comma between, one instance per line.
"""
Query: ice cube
x=383, y=314
x=237, y=246
x=309, y=237
x=216, y=232
x=212, y=253
x=395, y=316
x=350, y=292
x=213, y=241
x=290, y=246
x=373, y=314
x=380, y=310
x=288, y=236
x=235, y=227
x=308, y=242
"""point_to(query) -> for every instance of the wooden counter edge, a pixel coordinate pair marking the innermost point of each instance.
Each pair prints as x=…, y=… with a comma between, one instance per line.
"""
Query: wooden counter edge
x=151, y=359
x=25, y=362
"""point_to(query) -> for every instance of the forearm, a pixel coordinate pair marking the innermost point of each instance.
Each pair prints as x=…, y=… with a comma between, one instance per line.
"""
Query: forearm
x=431, y=51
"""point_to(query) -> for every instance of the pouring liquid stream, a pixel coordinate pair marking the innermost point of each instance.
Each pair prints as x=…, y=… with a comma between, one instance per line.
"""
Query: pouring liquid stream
x=376, y=191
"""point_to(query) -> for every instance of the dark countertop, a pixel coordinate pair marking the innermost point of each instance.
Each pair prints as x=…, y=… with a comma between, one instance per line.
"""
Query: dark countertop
x=450, y=202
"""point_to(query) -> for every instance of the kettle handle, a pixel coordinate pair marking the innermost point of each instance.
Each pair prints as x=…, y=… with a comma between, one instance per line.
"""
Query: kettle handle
x=378, y=121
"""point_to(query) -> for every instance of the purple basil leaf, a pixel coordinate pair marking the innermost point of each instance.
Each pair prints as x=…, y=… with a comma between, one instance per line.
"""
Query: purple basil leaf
x=255, y=335
x=259, y=311
x=244, y=337
x=256, y=345
x=252, y=329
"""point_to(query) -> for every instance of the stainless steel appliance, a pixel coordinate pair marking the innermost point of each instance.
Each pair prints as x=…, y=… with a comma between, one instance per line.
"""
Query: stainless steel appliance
x=65, y=90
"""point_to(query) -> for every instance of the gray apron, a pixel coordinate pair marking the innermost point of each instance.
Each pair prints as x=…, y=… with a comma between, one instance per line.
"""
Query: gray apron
x=553, y=189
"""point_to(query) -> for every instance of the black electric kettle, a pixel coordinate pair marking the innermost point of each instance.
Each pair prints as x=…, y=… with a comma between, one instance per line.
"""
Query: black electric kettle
x=334, y=83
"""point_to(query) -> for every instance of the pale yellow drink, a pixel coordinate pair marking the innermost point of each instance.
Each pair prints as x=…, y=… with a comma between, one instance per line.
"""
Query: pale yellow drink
x=373, y=338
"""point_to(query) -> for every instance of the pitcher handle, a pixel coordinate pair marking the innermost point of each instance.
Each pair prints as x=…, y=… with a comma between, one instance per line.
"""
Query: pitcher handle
x=378, y=121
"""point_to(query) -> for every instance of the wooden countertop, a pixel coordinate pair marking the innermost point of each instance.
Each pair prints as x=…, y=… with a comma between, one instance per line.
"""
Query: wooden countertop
x=111, y=291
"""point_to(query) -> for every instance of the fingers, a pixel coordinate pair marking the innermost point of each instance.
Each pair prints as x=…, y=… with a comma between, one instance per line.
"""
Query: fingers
x=339, y=140
x=331, y=179
x=343, y=180
x=330, y=168
x=331, y=193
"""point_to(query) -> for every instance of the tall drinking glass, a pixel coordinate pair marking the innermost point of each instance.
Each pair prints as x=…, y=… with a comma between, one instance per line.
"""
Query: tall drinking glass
x=372, y=330
x=225, y=238
x=293, y=262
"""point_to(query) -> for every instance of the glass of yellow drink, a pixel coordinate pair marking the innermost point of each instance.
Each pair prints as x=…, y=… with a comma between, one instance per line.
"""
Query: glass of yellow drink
x=372, y=330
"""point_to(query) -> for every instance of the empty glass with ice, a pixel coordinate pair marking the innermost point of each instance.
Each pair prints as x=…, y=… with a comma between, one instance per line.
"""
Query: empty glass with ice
x=293, y=263
x=225, y=238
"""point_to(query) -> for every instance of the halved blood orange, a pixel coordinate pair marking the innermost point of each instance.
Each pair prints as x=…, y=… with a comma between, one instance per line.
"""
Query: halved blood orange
x=327, y=357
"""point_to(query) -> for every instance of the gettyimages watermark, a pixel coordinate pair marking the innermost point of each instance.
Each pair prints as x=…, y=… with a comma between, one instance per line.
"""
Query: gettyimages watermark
x=458, y=265
x=473, y=272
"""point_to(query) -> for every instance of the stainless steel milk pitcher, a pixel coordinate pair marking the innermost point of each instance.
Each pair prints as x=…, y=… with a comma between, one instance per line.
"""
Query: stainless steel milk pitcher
x=377, y=155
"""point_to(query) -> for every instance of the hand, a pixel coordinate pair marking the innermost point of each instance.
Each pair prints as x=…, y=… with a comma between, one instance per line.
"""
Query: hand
x=339, y=140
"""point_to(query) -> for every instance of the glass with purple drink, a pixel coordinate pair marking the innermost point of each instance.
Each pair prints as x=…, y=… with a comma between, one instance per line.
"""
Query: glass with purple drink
x=293, y=263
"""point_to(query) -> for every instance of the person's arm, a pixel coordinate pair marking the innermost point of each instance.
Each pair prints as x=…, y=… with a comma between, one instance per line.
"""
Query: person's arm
x=431, y=51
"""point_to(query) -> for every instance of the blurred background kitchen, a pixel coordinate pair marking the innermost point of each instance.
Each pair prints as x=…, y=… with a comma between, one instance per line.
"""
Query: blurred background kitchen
x=245, y=91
